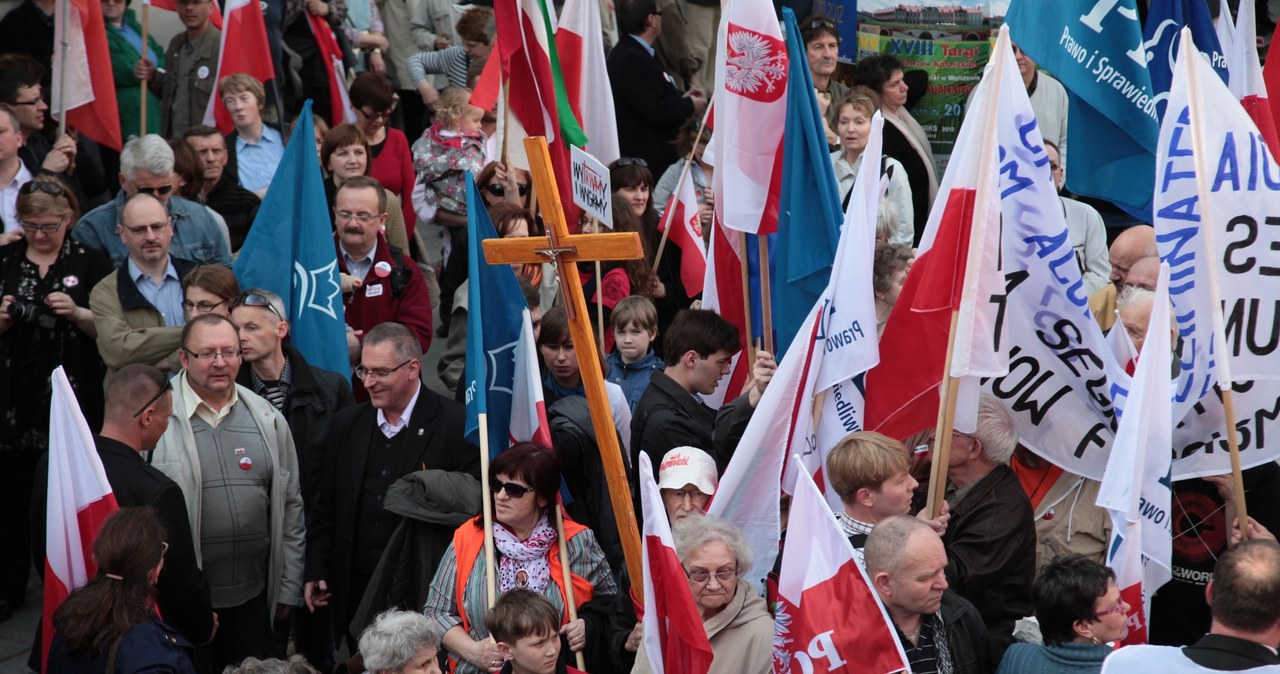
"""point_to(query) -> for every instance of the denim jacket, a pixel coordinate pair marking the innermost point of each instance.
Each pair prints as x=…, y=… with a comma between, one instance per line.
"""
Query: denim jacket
x=196, y=236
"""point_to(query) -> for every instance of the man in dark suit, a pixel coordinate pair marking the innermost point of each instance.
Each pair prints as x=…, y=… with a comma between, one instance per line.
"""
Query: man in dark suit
x=649, y=107
x=402, y=429
x=1243, y=594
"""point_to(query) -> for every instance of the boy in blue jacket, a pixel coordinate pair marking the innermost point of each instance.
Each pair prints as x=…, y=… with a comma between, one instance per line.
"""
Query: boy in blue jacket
x=635, y=325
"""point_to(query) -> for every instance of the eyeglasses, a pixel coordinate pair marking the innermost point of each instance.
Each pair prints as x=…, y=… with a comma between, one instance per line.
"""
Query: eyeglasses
x=683, y=494
x=498, y=190
x=159, y=190
x=1120, y=607
x=33, y=103
x=630, y=161
x=820, y=23
x=362, y=218
x=513, y=490
x=167, y=385
x=45, y=229
x=702, y=575
x=254, y=300
x=201, y=307
x=156, y=227
x=363, y=372
x=226, y=354
x=378, y=115
x=47, y=186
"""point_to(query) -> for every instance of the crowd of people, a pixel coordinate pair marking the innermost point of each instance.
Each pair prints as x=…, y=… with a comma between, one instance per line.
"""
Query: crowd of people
x=271, y=508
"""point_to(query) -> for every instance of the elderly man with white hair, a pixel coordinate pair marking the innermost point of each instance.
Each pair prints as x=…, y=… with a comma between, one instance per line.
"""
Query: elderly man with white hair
x=146, y=165
x=991, y=538
x=400, y=642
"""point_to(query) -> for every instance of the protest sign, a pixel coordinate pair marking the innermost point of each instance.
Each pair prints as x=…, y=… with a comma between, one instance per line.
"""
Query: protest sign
x=591, y=190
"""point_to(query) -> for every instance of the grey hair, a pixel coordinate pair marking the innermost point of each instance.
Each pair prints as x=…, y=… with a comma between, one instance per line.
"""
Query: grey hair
x=294, y=665
x=995, y=429
x=407, y=346
x=1132, y=294
x=394, y=638
x=273, y=299
x=13, y=117
x=149, y=153
x=887, y=543
x=694, y=532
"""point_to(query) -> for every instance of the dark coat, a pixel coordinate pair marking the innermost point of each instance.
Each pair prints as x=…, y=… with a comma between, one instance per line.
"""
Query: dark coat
x=649, y=108
x=971, y=647
x=582, y=468
x=236, y=205
x=315, y=397
x=1221, y=652
x=897, y=146
x=434, y=439
x=991, y=552
x=668, y=416
x=150, y=646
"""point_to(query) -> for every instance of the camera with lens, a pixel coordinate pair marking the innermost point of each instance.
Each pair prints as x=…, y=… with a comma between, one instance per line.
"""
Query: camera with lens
x=24, y=311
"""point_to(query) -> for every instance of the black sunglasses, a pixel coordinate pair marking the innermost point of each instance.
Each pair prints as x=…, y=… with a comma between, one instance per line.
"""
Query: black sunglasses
x=630, y=161
x=821, y=23
x=162, y=190
x=168, y=384
x=47, y=186
x=513, y=490
x=254, y=300
x=497, y=190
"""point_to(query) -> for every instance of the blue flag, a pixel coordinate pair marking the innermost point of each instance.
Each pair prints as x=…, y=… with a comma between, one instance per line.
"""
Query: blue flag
x=290, y=252
x=1165, y=20
x=809, y=214
x=1096, y=51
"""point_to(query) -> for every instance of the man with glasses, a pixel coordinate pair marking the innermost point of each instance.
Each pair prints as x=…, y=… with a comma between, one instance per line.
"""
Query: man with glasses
x=146, y=166
x=255, y=148
x=187, y=82
x=233, y=456
x=138, y=309
x=405, y=427
x=385, y=286
x=13, y=174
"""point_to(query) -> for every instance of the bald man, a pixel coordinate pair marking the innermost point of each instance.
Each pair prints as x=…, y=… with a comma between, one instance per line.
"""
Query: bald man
x=1131, y=245
x=1144, y=273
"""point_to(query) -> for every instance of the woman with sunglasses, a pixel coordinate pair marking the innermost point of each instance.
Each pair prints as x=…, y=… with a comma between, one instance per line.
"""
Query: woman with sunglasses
x=391, y=161
x=45, y=321
x=110, y=624
x=525, y=480
x=344, y=154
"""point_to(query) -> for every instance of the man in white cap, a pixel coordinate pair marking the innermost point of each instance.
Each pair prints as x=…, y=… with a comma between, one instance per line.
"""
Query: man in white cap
x=687, y=480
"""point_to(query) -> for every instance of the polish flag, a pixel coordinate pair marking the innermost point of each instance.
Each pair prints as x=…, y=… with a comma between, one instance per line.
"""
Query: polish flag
x=685, y=221
x=1247, y=81
x=722, y=293
x=955, y=276
x=1136, y=489
x=215, y=17
x=751, y=114
x=528, y=408
x=340, y=110
x=79, y=500
x=674, y=639
x=243, y=49
x=586, y=80
x=84, y=89
x=828, y=615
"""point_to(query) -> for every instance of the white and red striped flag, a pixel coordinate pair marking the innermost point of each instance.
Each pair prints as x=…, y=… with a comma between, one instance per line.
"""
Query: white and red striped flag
x=79, y=500
x=1136, y=488
x=340, y=110
x=828, y=616
x=84, y=89
x=1246, y=80
x=751, y=113
x=685, y=220
x=215, y=16
x=528, y=408
x=722, y=293
x=586, y=80
x=243, y=49
x=675, y=641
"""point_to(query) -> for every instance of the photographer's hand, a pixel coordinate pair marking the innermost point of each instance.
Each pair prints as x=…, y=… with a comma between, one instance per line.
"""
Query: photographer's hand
x=5, y=319
x=62, y=305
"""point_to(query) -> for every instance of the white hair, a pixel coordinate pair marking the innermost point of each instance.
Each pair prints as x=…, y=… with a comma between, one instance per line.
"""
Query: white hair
x=149, y=153
x=692, y=533
x=394, y=638
x=995, y=429
x=1132, y=294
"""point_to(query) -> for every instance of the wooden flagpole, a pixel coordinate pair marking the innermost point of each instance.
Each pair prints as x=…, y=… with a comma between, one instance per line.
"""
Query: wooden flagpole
x=766, y=292
x=570, y=603
x=490, y=557
x=146, y=25
x=746, y=298
x=506, y=124
x=1219, y=338
x=64, y=6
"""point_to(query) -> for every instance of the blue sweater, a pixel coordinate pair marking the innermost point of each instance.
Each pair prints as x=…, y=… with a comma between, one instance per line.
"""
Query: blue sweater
x=1068, y=658
x=634, y=377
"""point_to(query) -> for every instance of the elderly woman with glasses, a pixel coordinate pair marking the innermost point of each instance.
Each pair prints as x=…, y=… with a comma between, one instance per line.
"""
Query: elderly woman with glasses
x=524, y=480
x=400, y=642
x=391, y=161
x=345, y=153
x=715, y=555
x=45, y=321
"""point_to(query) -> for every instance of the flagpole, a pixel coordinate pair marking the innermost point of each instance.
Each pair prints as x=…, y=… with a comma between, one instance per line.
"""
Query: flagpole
x=1219, y=338
x=506, y=123
x=766, y=301
x=490, y=557
x=684, y=174
x=146, y=24
x=569, y=601
x=946, y=423
x=746, y=296
x=63, y=8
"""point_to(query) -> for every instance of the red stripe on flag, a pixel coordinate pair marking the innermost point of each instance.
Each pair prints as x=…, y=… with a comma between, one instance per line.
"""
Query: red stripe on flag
x=90, y=519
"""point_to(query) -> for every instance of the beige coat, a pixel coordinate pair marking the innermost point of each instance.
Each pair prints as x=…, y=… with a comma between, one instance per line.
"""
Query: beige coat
x=134, y=335
x=741, y=636
x=1068, y=520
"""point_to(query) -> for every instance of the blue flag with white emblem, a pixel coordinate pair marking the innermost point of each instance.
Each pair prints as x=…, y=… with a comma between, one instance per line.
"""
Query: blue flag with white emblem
x=290, y=252
x=1163, y=32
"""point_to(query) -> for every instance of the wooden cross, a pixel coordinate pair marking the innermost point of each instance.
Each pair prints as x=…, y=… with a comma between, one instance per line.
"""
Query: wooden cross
x=564, y=251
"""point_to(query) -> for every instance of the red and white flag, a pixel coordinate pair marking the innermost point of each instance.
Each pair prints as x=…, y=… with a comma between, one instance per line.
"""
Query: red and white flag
x=957, y=270
x=1246, y=80
x=243, y=49
x=340, y=110
x=1136, y=489
x=828, y=617
x=674, y=639
x=528, y=407
x=79, y=500
x=751, y=113
x=84, y=89
x=722, y=293
x=586, y=79
x=215, y=17
x=685, y=220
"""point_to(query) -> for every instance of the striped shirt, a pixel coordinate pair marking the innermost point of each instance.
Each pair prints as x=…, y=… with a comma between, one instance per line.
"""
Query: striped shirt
x=451, y=61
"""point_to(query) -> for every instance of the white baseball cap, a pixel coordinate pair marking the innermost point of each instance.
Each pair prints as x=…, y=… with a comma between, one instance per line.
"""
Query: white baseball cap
x=688, y=465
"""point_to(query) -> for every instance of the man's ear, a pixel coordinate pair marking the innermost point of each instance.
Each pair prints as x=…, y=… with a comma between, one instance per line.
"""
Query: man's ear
x=282, y=329
x=863, y=497
x=881, y=582
x=122, y=180
x=1208, y=594
x=689, y=359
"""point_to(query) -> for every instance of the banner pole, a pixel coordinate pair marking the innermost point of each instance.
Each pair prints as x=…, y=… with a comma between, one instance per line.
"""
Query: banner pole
x=746, y=297
x=490, y=556
x=569, y=601
x=945, y=427
x=64, y=46
x=684, y=174
x=766, y=292
x=146, y=25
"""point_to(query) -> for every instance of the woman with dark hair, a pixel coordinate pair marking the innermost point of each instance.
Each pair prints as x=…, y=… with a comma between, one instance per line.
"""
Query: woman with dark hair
x=904, y=138
x=344, y=153
x=208, y=289
x=1080, y=612
x=633, y=182
x=110, y=624
x=392, y=163
x=525, y=480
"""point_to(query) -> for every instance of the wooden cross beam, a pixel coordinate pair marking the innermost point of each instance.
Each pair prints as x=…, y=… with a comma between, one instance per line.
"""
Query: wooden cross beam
x=565, y=250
